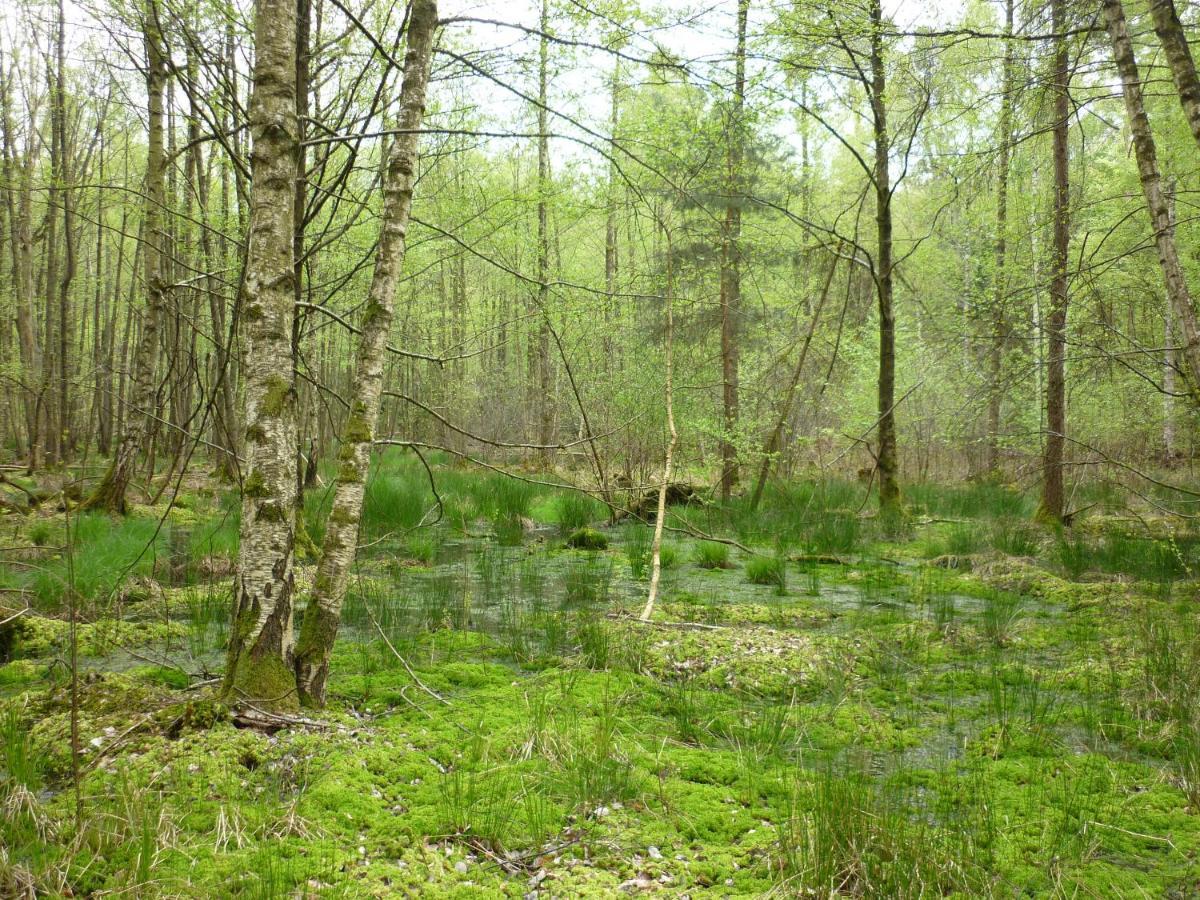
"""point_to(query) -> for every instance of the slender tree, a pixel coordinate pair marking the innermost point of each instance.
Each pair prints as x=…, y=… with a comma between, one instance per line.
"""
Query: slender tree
x=323, y=614
x=110, y=493
x=545, y=387
x=1052, y=507
x=1178, y=295
x=886, y=458
x=731, y=258
x=1178, y=53
x=999, y=278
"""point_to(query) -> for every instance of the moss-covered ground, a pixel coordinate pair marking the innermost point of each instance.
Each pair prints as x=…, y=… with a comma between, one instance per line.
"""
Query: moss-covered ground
x=978, y=707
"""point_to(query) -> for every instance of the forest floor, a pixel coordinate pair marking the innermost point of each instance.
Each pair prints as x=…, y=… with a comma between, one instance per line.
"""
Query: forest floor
x=980, y=707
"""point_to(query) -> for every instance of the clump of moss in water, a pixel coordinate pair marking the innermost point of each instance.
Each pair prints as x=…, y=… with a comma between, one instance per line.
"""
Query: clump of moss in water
x=587, y=539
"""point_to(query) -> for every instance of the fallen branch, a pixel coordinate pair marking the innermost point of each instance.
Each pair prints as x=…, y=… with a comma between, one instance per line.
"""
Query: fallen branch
x=694, y=626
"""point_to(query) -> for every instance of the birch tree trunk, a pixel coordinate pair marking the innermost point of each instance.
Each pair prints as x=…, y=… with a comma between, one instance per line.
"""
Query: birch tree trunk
x=1179, y=58
x=110, y=492
x=1156, y=200
x=260, y=667
x=656, y=547
x=323, y=614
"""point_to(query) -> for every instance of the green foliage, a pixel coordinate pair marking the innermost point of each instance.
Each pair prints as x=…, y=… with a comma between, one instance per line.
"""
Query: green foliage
x=637, y=541
x=768, y=570
x=587, y=539
x=712, y=555
x=575, y=511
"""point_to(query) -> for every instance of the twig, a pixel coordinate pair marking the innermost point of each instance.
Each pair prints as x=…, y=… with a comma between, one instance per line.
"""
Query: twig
x=411, y=674
x=14, y=616
x=698, y=626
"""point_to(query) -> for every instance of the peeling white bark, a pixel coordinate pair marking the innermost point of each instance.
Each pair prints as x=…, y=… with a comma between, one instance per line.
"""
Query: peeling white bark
x=260, y=668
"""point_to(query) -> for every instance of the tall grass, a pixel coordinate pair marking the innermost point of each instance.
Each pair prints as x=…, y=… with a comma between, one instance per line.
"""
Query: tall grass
x=985, y=500
x=768, y=570
x=1142, y=558
x=574, y=510
x=394, y=503
x=105, y=552
x=844, y=836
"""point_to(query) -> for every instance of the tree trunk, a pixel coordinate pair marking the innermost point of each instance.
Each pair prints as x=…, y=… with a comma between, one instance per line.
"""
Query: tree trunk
x=731, y=262
x=545, y=386
x=1000, y=282
x=771, y=447
x=323, y=614
x=611, y=256
x=260, y=667
x=18, y=174
x=886, y=462
x=1179, y=57
x=1053, y=500
x=668, y=396
x=67, y=197
x=110, y=492
x=1144, y=150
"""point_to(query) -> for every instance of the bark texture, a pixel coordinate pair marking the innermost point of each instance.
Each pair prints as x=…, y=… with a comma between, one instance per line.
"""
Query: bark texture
x=731, y=262
x=323, y=614
x=1156, y=200
x=886, y=462
x=260, y=667
x=1053, y=497
x=1000, y=284
x=1179, y=58
x=110, y=492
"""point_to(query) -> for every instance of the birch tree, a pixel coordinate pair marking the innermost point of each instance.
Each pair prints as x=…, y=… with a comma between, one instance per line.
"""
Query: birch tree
x=323, y=613
x=260, y=666
x=110, y=492
x=1156, y=200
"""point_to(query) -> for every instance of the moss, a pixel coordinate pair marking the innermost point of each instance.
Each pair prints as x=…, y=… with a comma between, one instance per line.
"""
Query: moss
x=357, y=430
x=277, y=396
x=255, y=485
x=39, y=636
x=587, y=539
x=271, y=512
x=21, y=672
x=173, y=678
x=710, y=753
x=263, y=679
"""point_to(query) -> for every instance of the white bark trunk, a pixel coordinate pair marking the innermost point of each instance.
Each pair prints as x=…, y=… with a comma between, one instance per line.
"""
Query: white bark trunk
x=324, y=610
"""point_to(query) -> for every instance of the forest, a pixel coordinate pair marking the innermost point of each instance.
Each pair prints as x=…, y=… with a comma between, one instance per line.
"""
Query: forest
x=595, y=448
